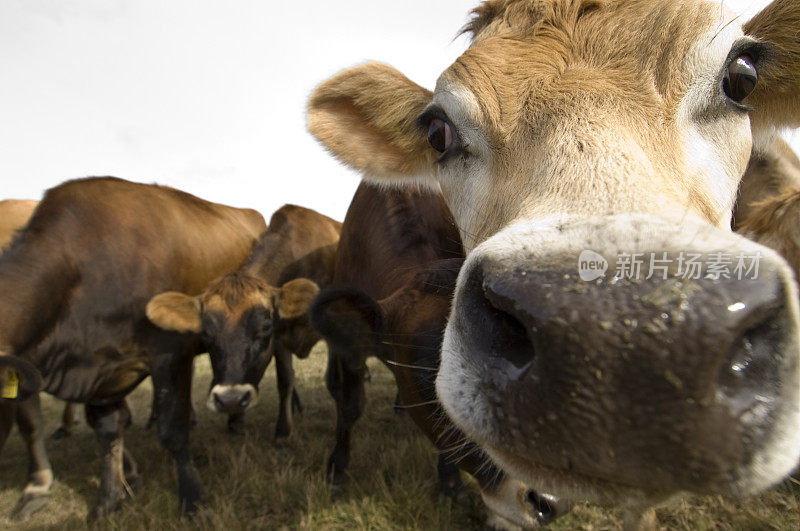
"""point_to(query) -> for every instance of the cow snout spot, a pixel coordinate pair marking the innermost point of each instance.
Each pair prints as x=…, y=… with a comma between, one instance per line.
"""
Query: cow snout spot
x=245, y=401
x=220, y=405
x=231, y=399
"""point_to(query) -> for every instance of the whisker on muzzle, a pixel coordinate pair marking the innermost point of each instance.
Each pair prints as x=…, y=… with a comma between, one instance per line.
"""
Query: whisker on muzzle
x=420, y=404
x=408, y=366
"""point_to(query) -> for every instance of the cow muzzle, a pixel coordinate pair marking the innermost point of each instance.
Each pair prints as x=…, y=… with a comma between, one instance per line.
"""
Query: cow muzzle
x=232, y=399
x=657, y=382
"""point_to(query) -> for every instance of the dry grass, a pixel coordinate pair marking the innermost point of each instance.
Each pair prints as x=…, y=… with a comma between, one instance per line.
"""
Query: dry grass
x=254, y=485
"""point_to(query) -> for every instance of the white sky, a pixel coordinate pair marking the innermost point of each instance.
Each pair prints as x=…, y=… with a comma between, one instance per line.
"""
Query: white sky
x=204, y=95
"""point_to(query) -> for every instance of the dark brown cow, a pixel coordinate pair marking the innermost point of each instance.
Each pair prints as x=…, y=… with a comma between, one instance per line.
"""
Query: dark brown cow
x=266, y=299
x=74, y=285
x=14, y=214
x=401, y=247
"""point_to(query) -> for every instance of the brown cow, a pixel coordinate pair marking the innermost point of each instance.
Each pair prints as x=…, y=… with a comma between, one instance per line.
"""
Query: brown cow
x=768, y=208
x=587, y=136
x=14, y=214
x=402, y=247
x=262, y=304
x=74, y=285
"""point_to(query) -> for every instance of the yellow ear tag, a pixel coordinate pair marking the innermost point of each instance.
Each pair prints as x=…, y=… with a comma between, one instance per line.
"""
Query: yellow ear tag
x=11, y=386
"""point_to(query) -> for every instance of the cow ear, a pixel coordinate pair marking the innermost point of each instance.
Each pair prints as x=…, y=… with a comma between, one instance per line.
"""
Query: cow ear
x=367, y=118
x=776, y=97
x=175, y=311
x=295, y=297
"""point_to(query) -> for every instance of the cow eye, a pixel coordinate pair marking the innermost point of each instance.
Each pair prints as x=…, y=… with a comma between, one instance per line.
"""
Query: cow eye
x=266, y=328
x=740, y=78
x=440, y=135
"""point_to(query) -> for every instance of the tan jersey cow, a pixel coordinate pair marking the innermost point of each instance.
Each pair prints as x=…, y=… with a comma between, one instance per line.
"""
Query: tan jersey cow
x=74, y=287
x=610, y=338
x=259, y=311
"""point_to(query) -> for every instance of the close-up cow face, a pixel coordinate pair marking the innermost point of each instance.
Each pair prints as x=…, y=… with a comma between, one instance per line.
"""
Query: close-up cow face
x=620, y=128
x=236, y=317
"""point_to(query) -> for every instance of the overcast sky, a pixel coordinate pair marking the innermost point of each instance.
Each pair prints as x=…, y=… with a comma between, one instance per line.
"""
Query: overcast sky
x=204, y=95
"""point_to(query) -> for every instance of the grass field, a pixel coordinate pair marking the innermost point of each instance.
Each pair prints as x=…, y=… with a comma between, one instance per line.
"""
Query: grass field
x=251, y=484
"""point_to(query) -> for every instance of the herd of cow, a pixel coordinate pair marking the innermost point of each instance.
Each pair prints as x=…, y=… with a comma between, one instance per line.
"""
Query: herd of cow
x=627, y=128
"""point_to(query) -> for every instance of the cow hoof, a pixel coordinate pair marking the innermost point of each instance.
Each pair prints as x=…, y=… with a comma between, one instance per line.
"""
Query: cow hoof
x=337, y=491
x=195, y=511
x=281, y=441
x=28, y=504
x=103, y=509
x=60, y=433
x=134, y=481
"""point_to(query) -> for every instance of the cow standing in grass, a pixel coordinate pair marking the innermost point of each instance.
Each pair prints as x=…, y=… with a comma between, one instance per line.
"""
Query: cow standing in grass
x=74, y=286
x=258, y=312
x=395, y=274
x=622, y=128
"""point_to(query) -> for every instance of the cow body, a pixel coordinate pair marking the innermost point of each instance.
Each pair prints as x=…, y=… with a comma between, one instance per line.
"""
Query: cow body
x=73, y=290
x=399, y=257
x=259, y=312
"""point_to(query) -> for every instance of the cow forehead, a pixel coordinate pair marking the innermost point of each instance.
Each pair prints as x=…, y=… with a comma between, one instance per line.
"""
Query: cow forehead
x=231, y=300
x=528, y=54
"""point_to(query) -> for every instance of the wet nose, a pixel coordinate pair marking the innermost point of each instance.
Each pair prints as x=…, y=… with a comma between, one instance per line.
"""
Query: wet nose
x=735, y=323
x=232, y=400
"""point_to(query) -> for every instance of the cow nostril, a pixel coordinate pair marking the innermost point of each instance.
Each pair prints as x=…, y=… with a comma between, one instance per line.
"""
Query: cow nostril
x=509, y=340
x=246, y=399
x=218, y=403
x=544, y=510
x=750, y=375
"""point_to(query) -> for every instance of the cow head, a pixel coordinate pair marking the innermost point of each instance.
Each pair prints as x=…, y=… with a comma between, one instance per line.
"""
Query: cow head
x=237, y=316
x=600, y=135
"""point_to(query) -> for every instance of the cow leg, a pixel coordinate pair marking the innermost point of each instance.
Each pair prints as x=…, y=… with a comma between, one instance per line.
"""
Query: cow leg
x=131, y=470
x=172, y=381
x=40, y=475
x=297, y=407
x=151, y=421
x=108, y=421
x=449, y=477
x=286, y=393
x=68, y=419
x=8, y=412
x=346, y=385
